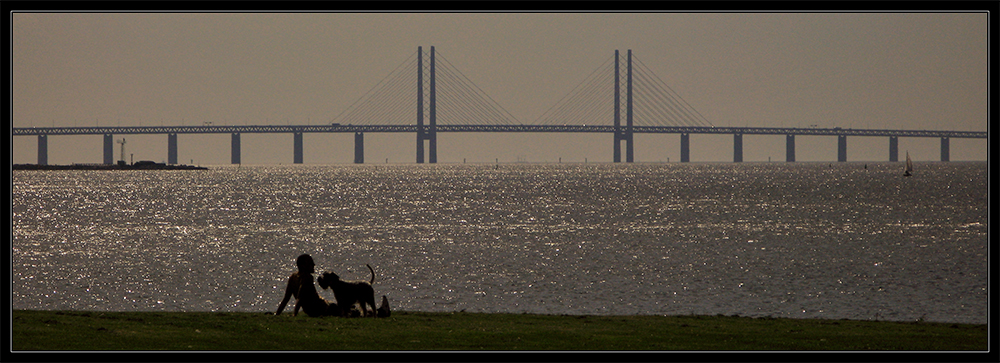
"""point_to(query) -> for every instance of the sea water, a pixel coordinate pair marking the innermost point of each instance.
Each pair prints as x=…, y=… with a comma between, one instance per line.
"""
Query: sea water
x=798, y=240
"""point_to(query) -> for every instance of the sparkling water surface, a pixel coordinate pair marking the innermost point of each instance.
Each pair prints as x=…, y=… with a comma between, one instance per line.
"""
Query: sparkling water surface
x=799, y=240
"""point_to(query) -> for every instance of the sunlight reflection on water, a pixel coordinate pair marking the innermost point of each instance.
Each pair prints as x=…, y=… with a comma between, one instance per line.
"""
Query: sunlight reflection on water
x=753, y=239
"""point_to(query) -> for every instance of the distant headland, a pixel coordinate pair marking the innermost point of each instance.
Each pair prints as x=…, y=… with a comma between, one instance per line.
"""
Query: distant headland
x=139, y=165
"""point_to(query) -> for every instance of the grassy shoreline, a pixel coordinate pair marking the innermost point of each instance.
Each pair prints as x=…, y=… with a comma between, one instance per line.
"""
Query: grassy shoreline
x=37, y=330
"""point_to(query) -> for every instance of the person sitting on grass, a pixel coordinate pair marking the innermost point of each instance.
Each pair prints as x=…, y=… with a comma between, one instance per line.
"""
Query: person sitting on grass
x=300, y=285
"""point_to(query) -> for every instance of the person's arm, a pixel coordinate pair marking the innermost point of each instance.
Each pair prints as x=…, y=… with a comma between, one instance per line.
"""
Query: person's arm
x=289, y=291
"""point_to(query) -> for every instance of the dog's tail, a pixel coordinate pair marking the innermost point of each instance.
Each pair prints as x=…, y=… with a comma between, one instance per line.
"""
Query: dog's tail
x=373, y=274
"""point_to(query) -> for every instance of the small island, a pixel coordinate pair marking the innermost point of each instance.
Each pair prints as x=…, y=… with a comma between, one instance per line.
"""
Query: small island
x=139, y=165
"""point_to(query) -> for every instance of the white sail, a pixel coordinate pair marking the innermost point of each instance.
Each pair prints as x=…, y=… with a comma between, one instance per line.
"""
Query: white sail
x=909, y=165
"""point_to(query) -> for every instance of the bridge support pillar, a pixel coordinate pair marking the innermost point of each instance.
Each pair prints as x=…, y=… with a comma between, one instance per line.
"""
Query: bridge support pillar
x=685, y=148
x=432, y=115
x=841, y=148
x=431, y=138
x=617, y=153
x=626, y=134
x=737, y=148
x=432, y=152
x=109, y=149
x=945, y=149
x=236, y=148
x=420, y=147
x=628, y=146
x=171, y=148
x=893, y=148
x=628, y=110
x=790, y=148
x=43, y=150
x=297, y=148
x=428, y=132
x=420, y=105
x=359, y=148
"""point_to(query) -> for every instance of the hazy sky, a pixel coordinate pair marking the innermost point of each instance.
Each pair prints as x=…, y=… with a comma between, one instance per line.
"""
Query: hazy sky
x=857, y=70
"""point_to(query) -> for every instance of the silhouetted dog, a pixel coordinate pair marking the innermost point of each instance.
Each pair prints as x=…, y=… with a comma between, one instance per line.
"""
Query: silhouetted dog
x=300, y=285
x=350, y=292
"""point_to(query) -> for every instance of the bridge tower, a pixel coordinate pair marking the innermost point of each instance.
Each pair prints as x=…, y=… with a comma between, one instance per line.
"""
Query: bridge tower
x=429, y=132
x=420, y=105
x=626, y=134
x=618, y=123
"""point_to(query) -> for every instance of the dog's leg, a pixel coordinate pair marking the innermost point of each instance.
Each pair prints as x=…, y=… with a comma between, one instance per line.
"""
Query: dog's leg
x=370, y=301
x=344, y=303
x=364, y=309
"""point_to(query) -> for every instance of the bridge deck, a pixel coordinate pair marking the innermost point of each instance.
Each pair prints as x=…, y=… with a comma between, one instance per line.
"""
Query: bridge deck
x=132, y=130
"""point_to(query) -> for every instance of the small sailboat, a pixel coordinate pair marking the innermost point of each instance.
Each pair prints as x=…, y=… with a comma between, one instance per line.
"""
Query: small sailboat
x=909, y=165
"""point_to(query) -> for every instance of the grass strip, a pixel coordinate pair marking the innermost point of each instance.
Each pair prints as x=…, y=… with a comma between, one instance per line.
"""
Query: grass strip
x=34, y=330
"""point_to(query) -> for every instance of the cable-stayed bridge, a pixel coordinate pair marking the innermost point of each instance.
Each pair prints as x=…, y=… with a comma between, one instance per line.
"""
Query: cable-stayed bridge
x=427, y=94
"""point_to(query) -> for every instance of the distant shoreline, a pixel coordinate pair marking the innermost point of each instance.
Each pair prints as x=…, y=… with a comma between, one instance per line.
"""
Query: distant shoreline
x=135, y=166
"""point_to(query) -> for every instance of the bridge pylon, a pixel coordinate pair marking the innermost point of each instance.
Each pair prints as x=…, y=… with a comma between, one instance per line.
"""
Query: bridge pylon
x=623, y=134
x=428, y=132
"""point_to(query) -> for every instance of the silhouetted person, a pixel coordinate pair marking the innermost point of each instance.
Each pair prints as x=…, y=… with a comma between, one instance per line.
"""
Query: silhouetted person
x=300, y=285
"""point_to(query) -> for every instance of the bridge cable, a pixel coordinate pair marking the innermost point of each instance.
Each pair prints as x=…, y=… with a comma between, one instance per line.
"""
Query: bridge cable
x=663, y=108
x=387, y=100
x=483, y=93
x=381, y=96
x=400, y=97
x=674, y=99
x=548, y=117
x=596, y=109
x=667, y=104
x=688, y=105
x=663, y=111
x=587, y=102
x=465, y=100
x=458, y=100
x=368, y=94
